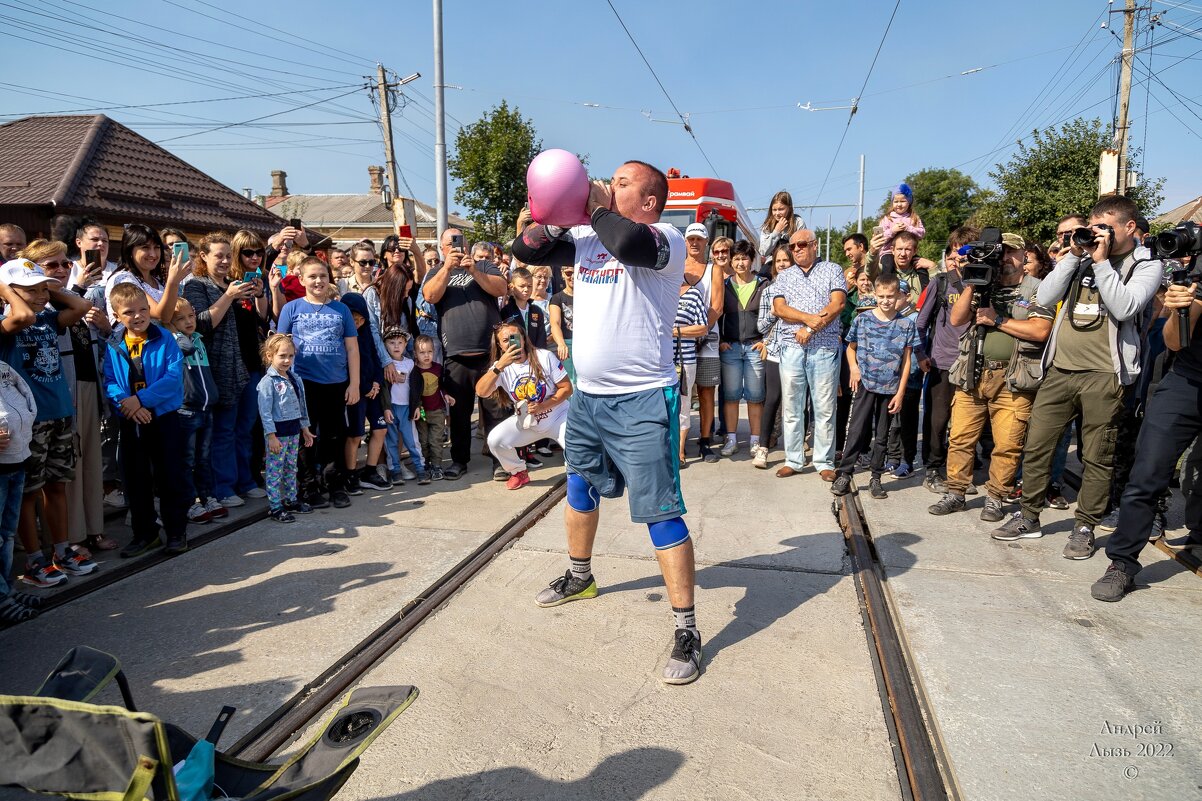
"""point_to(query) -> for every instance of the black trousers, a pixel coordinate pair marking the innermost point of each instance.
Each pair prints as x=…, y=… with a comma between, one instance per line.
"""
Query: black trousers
x=1130, y=423
x=843, y=402
x=936, y=422
x=327, y=420
x=772, y=397
x=460, y=374
x=869, y=422
x=1174, y=418
x=150, y=458
x=903, y=433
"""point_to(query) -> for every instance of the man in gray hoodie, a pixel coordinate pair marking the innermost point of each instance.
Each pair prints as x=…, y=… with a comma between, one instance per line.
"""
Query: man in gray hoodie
x=1092, y=358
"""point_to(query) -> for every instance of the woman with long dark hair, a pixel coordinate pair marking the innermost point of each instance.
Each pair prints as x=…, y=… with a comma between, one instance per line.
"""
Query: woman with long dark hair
x=390, y=298
x=145, y=262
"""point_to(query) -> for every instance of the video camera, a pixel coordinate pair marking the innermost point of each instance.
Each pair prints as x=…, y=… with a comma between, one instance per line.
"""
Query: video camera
x=984, y=258
x=1176, y=243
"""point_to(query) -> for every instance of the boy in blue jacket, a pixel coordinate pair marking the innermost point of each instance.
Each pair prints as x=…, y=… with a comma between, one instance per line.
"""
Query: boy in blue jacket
x=143, y=379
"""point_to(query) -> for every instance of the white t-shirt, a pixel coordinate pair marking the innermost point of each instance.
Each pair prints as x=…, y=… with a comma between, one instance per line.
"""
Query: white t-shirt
x=519, y=382
x=622, y=317
x=399, y=393
x=709, y=348
x=126, y=277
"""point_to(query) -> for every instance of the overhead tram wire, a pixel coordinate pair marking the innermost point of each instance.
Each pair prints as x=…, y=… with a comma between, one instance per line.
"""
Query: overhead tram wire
x=264, y=117
x=683, y=120
x=855, y=103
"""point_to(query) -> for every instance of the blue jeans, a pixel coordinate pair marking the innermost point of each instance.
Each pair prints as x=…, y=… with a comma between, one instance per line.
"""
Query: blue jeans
x=197, y=428
x=232, y=442
x=815, y=372
x=12, y=486
x=742, y=374
x=401, y=428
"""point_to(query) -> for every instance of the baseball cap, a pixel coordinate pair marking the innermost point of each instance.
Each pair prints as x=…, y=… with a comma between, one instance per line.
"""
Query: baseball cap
x=1013, y=241
x=23, y=272
x=696, y=229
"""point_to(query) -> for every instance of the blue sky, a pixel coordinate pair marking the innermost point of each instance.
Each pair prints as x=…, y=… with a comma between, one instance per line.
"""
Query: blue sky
x=737, y=70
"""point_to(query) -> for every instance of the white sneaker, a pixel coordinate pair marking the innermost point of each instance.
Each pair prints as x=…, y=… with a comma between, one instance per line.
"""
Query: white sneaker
x=730, y=447
x=231, y=502
x=198, y=513
x=759, y=457
x=257, y=492
x=115, y=499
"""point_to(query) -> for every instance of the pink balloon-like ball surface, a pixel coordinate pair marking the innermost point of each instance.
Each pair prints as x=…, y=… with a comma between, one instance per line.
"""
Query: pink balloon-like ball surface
x=557, y=187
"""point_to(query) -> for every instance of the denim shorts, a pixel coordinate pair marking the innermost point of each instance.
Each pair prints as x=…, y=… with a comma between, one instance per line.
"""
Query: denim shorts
x=629, y=442
x=742, y=374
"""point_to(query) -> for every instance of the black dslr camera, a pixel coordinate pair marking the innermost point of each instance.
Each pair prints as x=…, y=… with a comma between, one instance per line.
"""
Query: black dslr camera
x=1176, y=243
x=984, y=258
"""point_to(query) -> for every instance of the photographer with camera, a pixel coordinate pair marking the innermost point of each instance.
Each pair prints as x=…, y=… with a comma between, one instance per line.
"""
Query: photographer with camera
x=996, y=371
x=1173, y=420
x=1092, y=358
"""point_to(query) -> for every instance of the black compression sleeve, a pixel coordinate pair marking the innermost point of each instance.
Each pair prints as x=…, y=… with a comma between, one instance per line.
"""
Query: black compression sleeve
x=633, y=244
x=536, y=246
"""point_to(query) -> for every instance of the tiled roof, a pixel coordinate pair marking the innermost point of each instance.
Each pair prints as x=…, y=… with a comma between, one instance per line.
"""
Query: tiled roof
x=1186, y=212
x=95, y=165
x=323, y=211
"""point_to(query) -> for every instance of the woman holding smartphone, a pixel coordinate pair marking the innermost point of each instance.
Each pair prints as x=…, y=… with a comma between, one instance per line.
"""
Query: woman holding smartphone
x=145, y=262
x=215, y=292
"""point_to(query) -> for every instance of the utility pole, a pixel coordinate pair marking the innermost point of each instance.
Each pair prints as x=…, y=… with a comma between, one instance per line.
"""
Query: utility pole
x=403, y=211
x=1120, y=132
x=440, y=127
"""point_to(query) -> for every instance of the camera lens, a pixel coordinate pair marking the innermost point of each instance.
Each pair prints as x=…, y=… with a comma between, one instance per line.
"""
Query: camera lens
x=1084, y=237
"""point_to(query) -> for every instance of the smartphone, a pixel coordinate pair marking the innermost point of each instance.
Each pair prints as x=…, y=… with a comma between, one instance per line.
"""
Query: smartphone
x=457, y=241
x=514, y=341
x=295, y=222
x=180, y=250
x=254, y=275
x=90, y=258
x=405, y=231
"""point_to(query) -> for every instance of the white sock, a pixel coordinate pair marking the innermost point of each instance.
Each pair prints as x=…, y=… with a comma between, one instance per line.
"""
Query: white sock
x=731, y=438
x=754, y=440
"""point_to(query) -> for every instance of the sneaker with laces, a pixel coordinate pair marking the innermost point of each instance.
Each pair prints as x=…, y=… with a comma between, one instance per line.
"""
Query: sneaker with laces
x=1113, y=585
x=372, y=477
x=992, y=512
x=436, y=474
x=1055, y=498
x=1018, y=528
x=423, y=477
x=729, y=448
x=684, y=665
x=198, y=513
x=518, y=480
x=215, y=509
x=949, y=503
x=759, y=457
x=1016, y=494
x=875, y=489
x=232, y=501
x=567, y=588
x=340, y=499
x=74, y=562
x=902, y=470
x=41, y=572
x=139, y=547
x=1158, y=526
x=1080, y=543
x=1111, y=521
x=115, y=499
x=841, y=485
x=176, y=545
x=298, y=507
x=934, y=483
x=351, y=485
x=889, y=466
x=532, y=460
x=407, y=473
x=255, y=492
x=281, y=516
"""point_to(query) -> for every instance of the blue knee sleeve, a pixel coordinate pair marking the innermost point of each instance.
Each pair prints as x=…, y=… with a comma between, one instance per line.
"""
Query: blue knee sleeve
x=581, y=496
x=668, y=533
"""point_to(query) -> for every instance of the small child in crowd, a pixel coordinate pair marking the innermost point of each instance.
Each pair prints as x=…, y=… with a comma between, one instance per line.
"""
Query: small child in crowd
x=370, y=411
x=196, y=417
x=144, y=382
x=429, y=404
x=879, y=344
x=901, y=217
x=400, y=423
x=533, y=319
x=284, y=413
x=17, y=412
x=29, y=343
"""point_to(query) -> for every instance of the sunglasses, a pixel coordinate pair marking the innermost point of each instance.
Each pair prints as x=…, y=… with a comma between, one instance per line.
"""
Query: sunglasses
x=366, y=262
x=63, y=264
x=567, y=273
x=252, y=253
x=800, y=245
x=720, y=252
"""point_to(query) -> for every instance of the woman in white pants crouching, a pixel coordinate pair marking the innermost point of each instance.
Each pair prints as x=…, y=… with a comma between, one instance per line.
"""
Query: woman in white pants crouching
x=535, y=383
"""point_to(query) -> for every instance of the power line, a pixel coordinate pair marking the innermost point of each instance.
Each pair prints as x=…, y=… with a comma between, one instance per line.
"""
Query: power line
x=683, y=120
x=855, y=104
x=256, y=119
x=132, y=106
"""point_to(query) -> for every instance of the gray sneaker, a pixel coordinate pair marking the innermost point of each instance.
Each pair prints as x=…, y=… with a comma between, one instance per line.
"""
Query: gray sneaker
x=972, y=490
x=1113, y=585
x=1018, y=528
x=950, y=502
x=567, y=588
x=992, y=512
x=933, y=483
x=1111, y=521
x=876, y=490
x=841, y=485
x=407, y=473
x=1080, y=543
x=684, y=665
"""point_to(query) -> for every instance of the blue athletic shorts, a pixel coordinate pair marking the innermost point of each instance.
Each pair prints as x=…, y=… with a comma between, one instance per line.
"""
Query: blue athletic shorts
x=367, y=412
x=629, y=442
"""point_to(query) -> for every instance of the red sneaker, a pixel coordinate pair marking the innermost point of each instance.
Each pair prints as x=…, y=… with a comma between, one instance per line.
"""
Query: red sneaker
x=518, y=480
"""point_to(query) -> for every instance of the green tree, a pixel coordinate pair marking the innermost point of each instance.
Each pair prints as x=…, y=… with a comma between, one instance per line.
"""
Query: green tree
x=944, y=199
x=490, y=161
x=1057, y=174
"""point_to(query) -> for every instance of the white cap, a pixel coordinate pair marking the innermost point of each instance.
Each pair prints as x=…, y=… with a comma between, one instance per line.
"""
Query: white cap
x=23, y=272
x=696, y=229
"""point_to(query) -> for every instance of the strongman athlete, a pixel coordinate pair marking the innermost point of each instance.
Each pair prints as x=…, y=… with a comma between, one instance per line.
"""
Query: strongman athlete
x=622, y=425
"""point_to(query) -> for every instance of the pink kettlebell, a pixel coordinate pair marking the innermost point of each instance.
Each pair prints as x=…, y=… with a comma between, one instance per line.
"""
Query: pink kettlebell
x=557, y=187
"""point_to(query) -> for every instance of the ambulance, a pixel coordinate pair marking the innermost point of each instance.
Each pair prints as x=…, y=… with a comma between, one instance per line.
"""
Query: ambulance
x=710, y=201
